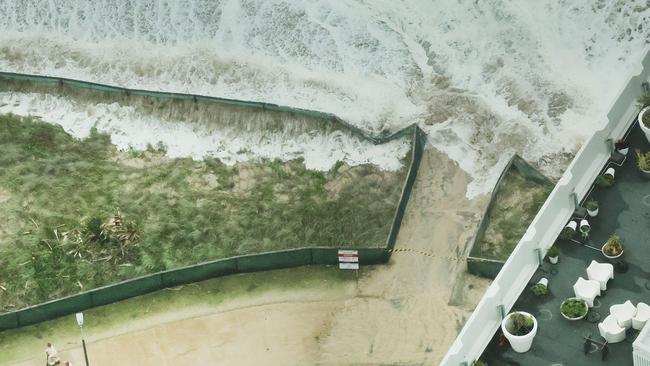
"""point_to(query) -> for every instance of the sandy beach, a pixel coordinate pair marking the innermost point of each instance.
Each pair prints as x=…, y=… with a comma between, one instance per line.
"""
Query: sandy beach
x=407, y=312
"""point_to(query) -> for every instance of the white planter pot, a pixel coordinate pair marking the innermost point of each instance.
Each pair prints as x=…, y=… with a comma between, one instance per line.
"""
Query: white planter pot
x=584, y=226
x=602, y=249
x=610, y=171
x=553, y=260
x=624, y=151
x=572, y=224
x=519, y=343
x=646, y=130
x=543, y=281
x=578, y=318
x=593, y=213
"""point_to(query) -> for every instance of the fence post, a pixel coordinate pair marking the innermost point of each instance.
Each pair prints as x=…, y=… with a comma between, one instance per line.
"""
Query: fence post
x=574, y=196
x=540, y=256
x=501, y=311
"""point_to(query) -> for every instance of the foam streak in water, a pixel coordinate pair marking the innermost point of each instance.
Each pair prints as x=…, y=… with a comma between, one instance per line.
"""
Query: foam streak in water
x=130, y=129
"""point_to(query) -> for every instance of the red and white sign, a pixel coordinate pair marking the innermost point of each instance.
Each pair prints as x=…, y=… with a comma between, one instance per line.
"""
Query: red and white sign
x=348, y=259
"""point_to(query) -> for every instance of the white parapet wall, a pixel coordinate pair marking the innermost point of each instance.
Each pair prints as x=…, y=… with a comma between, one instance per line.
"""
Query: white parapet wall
x=546, y=226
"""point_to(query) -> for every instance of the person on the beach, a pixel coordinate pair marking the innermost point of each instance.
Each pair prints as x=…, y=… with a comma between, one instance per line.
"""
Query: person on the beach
x=52, y=355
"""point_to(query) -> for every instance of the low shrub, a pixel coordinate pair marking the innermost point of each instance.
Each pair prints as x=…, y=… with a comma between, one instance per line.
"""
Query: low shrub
x=613, y=246
x=591, y=205
x=553, y=251
x=520, y=324
x=573, y=308
x=539, y=290
x=605, y=181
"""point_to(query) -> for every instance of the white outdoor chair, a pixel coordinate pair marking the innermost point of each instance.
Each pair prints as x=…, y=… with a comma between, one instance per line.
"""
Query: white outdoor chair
x=642, y=316
x=601, y=272
x=587, y=290
x=610, y=330
x=623, y=313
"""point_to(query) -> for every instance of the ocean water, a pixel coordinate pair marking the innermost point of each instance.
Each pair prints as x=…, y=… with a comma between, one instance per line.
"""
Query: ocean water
x=484, y=79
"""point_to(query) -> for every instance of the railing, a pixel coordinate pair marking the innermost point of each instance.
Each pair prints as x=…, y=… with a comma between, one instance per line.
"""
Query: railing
x=547, y=224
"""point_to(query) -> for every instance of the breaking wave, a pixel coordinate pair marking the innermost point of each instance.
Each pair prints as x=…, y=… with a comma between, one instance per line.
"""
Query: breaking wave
x=484, y=79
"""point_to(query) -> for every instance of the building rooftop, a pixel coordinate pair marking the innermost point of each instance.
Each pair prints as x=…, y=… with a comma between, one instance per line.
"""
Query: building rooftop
x=624, y=210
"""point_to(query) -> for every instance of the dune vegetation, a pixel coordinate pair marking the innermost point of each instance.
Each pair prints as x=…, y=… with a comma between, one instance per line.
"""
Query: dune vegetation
x=78, y=214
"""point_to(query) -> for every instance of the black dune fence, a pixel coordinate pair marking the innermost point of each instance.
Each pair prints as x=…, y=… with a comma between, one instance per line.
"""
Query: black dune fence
x=119, y=92
x=227, y=266
x=477, y=264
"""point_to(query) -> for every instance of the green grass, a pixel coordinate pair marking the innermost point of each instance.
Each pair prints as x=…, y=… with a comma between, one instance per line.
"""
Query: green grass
x=516, y=204
x=59, y=194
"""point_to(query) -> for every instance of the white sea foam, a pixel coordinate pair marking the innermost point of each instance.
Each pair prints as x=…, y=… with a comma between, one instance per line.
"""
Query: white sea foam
x=130, y=129
x=485, y=79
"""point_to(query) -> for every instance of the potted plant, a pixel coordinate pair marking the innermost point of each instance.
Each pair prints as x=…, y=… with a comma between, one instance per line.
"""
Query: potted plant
x=584, y=229
x=540, y=289
x=592, y=208
x=613, y=247
x=519, y=328
x=607, y=179
x=479, y=363
x=644, y=115
x=553, y=254
x=643, y=162
x=569, y=230
x=622, y=147
x=574, y=308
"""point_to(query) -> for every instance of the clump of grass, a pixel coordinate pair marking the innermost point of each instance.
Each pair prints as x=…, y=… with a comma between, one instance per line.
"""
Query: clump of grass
x=573, y=308
x=520, y=324
x=643, y=160
x=83, y=215
x=605, y=181
x=539, y=290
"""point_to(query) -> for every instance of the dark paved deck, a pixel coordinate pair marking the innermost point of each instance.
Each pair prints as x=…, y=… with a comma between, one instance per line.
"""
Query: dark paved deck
x=625, y=210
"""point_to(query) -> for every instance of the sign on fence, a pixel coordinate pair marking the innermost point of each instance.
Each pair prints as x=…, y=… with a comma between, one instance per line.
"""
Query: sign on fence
x=348, y=259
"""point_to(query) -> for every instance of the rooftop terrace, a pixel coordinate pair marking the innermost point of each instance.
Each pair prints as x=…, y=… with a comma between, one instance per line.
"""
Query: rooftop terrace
x=624, y=210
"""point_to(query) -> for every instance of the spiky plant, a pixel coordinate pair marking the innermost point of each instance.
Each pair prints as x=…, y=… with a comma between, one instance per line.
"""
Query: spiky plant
x=520, y=324
x=643, y=160
x=120, y=231
x=613, y=246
